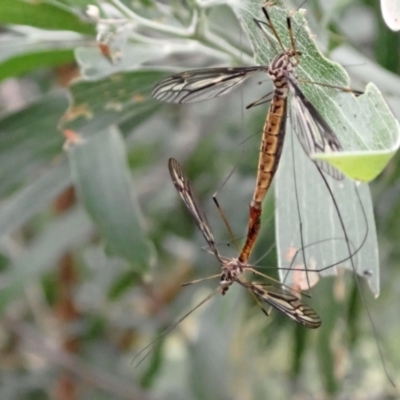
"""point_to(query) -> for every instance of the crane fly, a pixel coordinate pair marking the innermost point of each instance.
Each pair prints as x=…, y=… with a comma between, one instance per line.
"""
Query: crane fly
x=314, y=133
x=232, y=268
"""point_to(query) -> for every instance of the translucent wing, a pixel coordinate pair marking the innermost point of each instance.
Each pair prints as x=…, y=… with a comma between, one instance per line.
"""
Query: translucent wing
x=286, y=303
x=314, y=134
x=185, y=190
x=201, y=84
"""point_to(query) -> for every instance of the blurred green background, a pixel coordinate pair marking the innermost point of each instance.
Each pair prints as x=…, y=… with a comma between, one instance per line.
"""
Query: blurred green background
x=90, y=272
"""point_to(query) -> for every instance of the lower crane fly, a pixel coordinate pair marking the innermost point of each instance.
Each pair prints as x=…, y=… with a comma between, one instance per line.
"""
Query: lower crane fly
x=314, y=134
x=232, y=268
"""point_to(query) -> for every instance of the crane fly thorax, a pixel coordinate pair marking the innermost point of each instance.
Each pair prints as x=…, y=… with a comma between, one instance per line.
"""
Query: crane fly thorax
x=231, y=270
x=279, y=69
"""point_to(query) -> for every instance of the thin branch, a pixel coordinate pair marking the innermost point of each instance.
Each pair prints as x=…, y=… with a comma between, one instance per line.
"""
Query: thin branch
x=177, y=32
x=197, y=31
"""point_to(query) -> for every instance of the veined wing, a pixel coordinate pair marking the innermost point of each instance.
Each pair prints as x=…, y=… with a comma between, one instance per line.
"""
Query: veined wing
x=286, y=303
x=201, y=84
x=185, y=190
x=314, y=134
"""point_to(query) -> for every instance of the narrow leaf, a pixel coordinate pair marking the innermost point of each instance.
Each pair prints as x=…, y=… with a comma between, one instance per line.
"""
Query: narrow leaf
x=101, y=174
x=116, y=99
x=29, y=140
x=42, y=15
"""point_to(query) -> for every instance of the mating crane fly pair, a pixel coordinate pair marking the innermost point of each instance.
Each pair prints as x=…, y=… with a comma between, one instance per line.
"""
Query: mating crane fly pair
x=233, y=268
x=313, y=132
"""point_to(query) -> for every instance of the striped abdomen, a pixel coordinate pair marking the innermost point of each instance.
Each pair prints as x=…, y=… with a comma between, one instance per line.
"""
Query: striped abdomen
x=270, y=153
x=271, y=148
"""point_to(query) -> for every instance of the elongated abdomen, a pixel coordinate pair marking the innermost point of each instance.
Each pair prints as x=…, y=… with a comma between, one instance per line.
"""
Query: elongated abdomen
x=270, y=153
x=271, y=149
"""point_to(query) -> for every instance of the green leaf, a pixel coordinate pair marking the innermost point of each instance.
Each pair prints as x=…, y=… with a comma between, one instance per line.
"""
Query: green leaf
x=24, y=63
x=42, y=15
x=376, y=137
x=116, y=99
x=102, y=177
x=29, y=140
x=25, y=49
x=363, y=124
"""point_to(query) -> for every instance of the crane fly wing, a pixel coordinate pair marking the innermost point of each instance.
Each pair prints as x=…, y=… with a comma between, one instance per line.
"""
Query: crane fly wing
x=314, y=134
x=286, y=303
x=185, y=190
x=201, y=84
